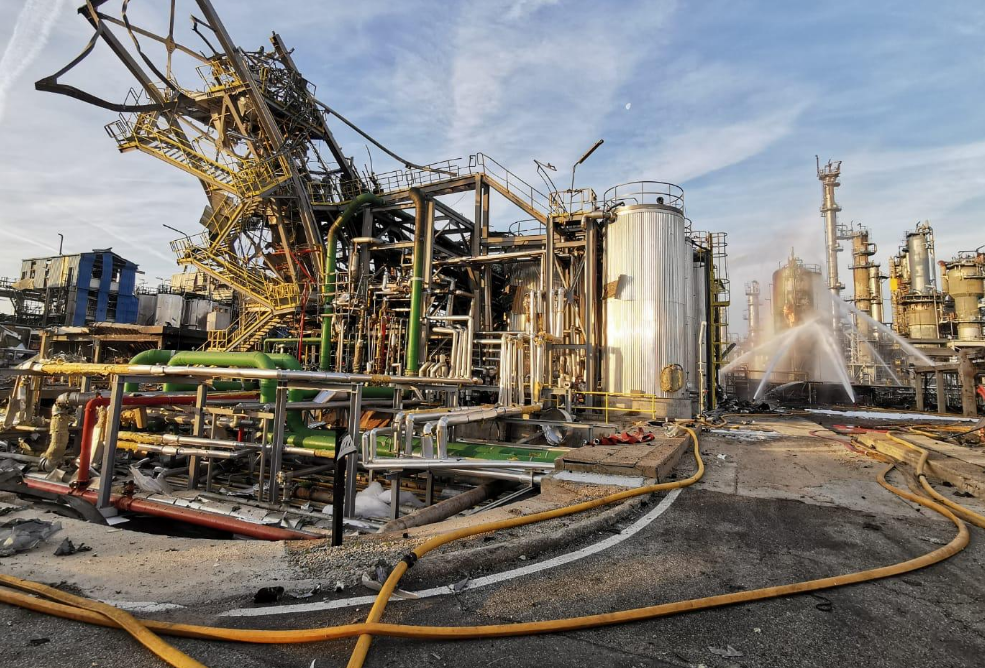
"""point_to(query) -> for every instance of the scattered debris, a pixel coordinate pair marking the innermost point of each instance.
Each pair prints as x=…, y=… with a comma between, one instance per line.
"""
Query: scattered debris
x=729, y=652
x=68, y=547
x=150, y=484
x=461, y=585
x=20, y=535
x=34, y=642
x=368, y=503
x=307, y=594
x=935, y=541
x=268, y=595
x=398, y=594
x=406, y=499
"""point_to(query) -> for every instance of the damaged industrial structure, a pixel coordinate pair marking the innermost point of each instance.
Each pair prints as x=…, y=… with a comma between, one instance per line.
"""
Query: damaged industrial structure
x=338, y=329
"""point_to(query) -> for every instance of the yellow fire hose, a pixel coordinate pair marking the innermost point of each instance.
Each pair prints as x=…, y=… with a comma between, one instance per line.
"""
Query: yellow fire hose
x=965, y=513
x=89, y=611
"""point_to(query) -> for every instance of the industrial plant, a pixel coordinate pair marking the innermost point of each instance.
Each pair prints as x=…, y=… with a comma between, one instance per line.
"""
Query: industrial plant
x=364, y=366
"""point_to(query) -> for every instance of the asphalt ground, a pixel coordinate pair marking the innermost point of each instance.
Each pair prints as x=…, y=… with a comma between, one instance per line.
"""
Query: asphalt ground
x=768, y=512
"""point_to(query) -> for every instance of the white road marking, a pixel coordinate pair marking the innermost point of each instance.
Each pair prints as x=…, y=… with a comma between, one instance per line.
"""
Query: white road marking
x=613, y=540
x=143, y=606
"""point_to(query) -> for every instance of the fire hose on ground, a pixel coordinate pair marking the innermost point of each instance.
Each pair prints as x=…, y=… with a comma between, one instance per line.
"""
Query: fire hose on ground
x=58, y=603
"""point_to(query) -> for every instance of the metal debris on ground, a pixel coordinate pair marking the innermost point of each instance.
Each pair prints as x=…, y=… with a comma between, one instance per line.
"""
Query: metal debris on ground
x=150, y=484
x=20, y=535
x=729, y=652
x=67, y=547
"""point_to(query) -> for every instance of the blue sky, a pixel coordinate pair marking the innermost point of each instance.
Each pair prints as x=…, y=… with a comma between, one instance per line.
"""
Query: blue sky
x=731, y=100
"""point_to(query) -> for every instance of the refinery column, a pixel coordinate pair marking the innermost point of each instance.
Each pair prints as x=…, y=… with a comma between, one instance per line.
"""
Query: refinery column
x=828, y=176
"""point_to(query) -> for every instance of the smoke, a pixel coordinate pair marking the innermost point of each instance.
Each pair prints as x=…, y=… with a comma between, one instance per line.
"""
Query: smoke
x=31, y=33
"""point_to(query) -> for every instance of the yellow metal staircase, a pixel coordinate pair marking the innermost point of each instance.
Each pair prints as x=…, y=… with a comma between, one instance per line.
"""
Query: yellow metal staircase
x=252, y=327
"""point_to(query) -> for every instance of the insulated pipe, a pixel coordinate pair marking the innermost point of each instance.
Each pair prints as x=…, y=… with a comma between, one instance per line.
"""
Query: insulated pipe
x=326, y=377
x=430, y=414
x=412, y=364
x=457, y=463
x=479, y=415
x=328, y=312
x=189, y=515
x=175, y=451
x=470, y=334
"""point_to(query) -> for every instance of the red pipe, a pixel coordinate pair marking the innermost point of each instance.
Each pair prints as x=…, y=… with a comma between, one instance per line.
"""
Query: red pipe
x=189, y=515
x=91, y=410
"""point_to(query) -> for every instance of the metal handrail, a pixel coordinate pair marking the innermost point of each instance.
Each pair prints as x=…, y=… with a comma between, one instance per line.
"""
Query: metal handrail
x=645, y=192
x=480, y=163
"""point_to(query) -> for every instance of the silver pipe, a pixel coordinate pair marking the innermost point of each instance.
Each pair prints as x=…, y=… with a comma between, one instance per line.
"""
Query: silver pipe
x=286, y=375
x=176, y=451
x=510, y=476
x=495, y=257
x=478, y=414
x=453, y=463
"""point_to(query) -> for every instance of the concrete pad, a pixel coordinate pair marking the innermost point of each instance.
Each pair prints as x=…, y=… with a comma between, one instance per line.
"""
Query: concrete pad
x=655, y=459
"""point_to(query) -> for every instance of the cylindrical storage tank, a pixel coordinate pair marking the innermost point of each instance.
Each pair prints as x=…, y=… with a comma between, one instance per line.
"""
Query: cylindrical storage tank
x=647, y=259
x=919, y=259
x=966, y=285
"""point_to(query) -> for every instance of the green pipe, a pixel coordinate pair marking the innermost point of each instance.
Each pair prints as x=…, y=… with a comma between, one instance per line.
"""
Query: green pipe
x=328, y=313
x=268, y=388
x=413, y=364
x=154, y=356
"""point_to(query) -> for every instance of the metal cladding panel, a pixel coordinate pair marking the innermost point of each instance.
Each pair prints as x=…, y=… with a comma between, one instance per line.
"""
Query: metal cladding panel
x=169, y=310
x=647, y=261
x=146, y=309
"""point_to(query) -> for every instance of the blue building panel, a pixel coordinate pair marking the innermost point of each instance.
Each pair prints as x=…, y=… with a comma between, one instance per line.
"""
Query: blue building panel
x=105, y=279
x=126, y=304
x=86, y=261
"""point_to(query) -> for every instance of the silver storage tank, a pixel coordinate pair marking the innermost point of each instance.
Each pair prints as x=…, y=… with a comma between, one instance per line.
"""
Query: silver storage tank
x=648, y=272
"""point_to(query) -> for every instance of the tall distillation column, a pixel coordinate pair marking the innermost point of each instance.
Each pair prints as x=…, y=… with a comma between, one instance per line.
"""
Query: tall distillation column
x=828, y=176
x=875, y=291
x=752, y=313
x=863, y=340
